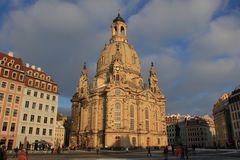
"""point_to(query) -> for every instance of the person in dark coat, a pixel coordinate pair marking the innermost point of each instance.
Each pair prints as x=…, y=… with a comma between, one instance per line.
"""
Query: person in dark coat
x=3, y=154
x=149, y=152
x=165, y=152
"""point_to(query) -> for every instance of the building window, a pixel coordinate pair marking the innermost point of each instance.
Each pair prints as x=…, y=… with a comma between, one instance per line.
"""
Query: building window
x=53, y=108
x=19, y=88
x=132, y=117
x=45, y=119
x=48, y=96
x=14, y=113
x=134, y=141
x=35, y=94
x=30, y=82
x=21, y=77
x=7, y=111
x=17, y=99
x=117, y=116
x=50, y=132
x=1, y=96
x=25, y=117
x=156, y=121
x=32, y=118
x=53, y=98
x=37, y=84
x=158, y=140
x=4, y=128
x=26, y=104
x=43, y=86
x=12, y=86
x=37, y=131
x=10, y=98
x=42, y=95
x=33, y=105
x=29, y=92
x=30, y=130
x=147, y=119
x=117, y=141
x=12, y=127
x=44, y=132
x=39, y=119
x=6, y=73
x=49, y=87
x=40, y=107
x=46, y=108
x=14, y=75
x=23, y=130
x=51, y=121
x=90, y=117
x=4, y=84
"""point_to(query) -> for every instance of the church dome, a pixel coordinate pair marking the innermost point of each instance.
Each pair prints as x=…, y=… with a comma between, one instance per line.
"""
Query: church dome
x=129, y=57
x=119, y=43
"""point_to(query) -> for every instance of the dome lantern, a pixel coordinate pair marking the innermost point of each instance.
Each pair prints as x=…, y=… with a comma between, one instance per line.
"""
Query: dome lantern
x=119, y=29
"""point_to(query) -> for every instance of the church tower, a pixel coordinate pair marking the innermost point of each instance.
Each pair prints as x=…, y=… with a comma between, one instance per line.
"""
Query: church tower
x=118, y=110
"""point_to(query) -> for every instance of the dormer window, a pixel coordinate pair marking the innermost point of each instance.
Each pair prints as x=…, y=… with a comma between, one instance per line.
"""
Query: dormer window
x=42, y=76
x=36, y=74
x=30, y=73
x=48, y=78
x=17, y=66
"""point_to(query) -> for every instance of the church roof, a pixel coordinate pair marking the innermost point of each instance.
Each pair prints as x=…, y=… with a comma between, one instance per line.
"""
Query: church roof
x=119, y=18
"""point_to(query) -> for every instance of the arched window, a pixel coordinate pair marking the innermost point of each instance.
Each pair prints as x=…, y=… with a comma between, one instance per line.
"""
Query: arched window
x=122, y=30
x=156, y=121
x=147, y=119
x=117, y=141
x=30, y=73
x=117, y=116
x=148, y=141
x=132, y=117
x=89, y=117
x=117, y=77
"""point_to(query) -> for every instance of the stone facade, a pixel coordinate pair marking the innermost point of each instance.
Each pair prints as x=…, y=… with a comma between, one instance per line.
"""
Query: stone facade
x=234, y=107
x=193, y=131
x=222, y=121
x=118, y=110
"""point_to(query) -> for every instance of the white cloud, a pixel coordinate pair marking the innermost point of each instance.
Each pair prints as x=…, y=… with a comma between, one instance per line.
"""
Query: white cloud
x=196, y=53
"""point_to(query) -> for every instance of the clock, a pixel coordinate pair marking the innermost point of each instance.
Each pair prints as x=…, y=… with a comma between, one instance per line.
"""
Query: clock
x=117, y=68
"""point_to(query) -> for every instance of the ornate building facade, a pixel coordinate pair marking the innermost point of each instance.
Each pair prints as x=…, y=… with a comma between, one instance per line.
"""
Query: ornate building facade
x=118, y=110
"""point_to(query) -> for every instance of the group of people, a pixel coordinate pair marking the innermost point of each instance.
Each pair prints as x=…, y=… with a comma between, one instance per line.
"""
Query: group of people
x=20, y=154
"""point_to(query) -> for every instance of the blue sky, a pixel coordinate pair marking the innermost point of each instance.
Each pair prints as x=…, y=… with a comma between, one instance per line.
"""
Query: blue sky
x=195, y=44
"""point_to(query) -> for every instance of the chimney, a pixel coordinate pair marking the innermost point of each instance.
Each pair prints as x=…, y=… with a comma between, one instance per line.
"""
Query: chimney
x=10, y=53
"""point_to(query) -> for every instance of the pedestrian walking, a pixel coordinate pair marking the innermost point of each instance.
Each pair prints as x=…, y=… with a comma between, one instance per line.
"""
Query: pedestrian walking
x=165, y=151
x=149, y=152
x=97, y=150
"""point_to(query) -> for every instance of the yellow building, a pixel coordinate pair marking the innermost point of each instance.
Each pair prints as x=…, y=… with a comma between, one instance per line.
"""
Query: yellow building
x=118, y=110
x=59, y=134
